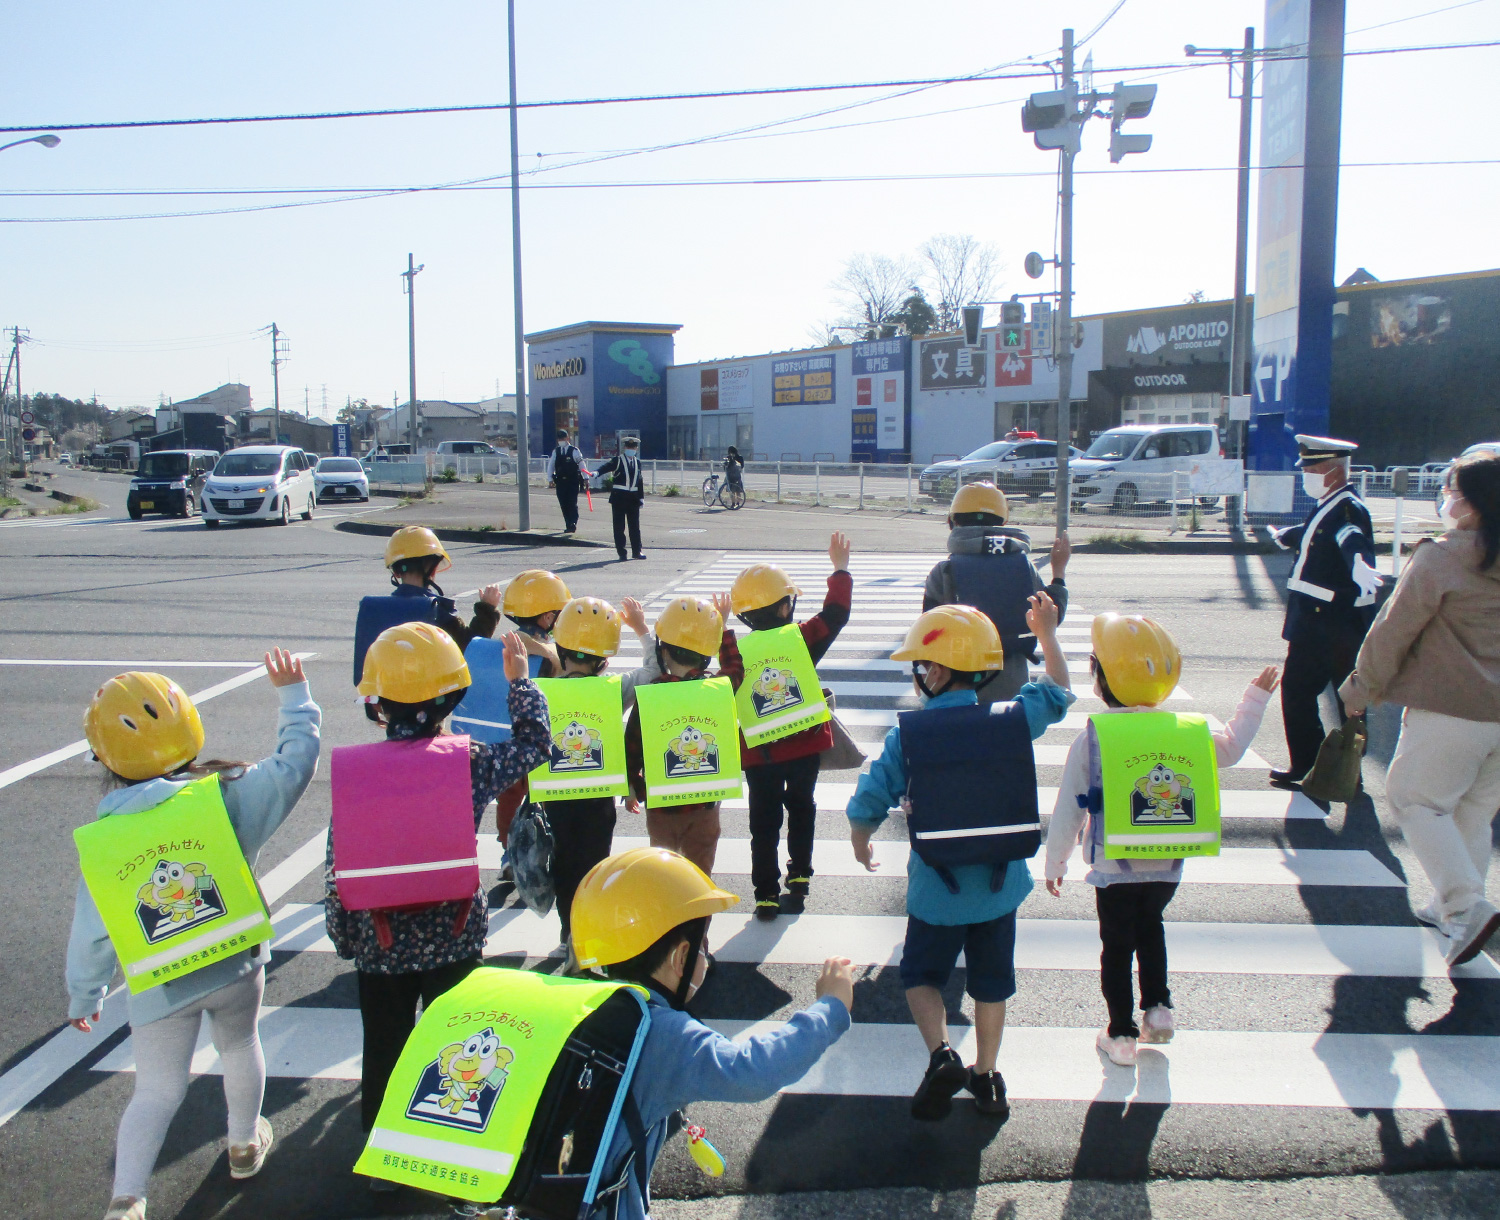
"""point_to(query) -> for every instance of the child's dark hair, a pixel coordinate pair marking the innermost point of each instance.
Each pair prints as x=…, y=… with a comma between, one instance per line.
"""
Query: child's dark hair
x=685, y=656
x=768, y=618
x=409, y=721
x=1477, y=478
x=1098, y=672
x=427, y=565
x=977, y=519
x=224, y=768
x=595, y=664
x=643, y=965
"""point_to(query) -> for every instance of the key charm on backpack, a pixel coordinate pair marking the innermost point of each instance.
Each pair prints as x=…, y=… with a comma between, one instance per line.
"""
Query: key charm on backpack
x=705, y=1155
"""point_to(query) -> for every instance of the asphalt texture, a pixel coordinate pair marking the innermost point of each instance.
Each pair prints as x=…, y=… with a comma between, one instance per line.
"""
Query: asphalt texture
x=161, y=593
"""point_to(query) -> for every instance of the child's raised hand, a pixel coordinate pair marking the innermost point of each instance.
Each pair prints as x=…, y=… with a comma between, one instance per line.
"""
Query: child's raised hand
x=1054, y=887
x=837, y=979
x=283, y=669
x=838, y=551
x=1267, y=679
x=82, y=1024
x=514, y=657
x=633, y=615
x=490, y=594
x=1042, y=615
x=722, y=604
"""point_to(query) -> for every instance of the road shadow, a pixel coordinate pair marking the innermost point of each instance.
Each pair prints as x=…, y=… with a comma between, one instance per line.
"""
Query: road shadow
x=1117, y=1138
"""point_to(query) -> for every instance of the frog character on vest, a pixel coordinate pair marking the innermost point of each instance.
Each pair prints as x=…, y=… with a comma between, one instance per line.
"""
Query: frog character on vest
x=171, y=883
x=781, y=695
x=971, y=771
x=1160, y=772
x=586, y=705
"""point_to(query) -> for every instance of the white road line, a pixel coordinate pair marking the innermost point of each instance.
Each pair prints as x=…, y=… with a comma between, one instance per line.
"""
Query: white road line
x=24, y=770
x=137, y=664
x=885, y=717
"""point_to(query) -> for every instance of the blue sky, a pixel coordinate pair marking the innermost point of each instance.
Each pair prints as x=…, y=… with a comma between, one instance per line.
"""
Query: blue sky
x=135, y=309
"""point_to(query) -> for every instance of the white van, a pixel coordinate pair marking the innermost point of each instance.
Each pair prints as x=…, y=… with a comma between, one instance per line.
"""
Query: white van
x=260, y=483
x=1134, y=464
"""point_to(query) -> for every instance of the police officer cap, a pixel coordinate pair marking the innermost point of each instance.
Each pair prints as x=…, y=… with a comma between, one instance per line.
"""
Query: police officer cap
x=1314, y=449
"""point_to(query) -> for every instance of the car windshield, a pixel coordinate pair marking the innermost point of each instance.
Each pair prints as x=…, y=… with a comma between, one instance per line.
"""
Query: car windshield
x=241, y=465
x=987, y=451
x=339, y=466
x=163, y=466
x=1114, y=445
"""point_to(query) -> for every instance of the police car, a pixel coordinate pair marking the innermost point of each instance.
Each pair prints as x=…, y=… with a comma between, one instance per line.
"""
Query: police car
x=1022, y=467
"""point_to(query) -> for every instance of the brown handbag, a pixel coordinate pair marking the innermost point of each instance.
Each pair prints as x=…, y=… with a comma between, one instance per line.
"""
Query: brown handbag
x=1335, y=776
x=844, y=754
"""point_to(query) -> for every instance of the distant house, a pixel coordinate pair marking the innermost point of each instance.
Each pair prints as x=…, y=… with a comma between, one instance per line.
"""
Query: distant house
x=439, y=420
x=313, y=434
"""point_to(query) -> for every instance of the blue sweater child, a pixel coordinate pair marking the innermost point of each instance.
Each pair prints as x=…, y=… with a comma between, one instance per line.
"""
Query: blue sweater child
x=980, y=918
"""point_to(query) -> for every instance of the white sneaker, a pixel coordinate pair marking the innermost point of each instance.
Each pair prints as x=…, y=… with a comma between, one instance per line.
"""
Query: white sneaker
x=1469, y=937
x=1157, y=1025
x=1430, y=915
x=126, y=1207
x=1120, y=1051
x=245, y=1160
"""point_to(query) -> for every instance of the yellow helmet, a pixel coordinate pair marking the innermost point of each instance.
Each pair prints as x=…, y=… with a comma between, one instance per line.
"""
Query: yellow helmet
x=143, y=725
x=412, y=663
x=980, y=498
x=412, y=542
x=627, y=903
x=758, y=586
x=959, y=637
x=588, y=624
x=691, y=623
x=1138, y=658
x=534, y=592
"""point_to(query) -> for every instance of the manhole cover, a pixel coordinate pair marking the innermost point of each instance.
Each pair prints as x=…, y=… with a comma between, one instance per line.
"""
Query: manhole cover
x=687, y=531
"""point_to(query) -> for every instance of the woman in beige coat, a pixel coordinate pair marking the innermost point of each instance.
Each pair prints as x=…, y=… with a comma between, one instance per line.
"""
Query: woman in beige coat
x=1435, y=649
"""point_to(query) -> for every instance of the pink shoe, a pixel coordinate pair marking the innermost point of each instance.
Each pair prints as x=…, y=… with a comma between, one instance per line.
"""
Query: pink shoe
x=1120, y=1051
x=1157, y=1025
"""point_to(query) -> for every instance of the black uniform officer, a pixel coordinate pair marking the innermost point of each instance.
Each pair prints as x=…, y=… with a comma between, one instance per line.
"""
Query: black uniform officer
x=625, y=495
x=565, y=471
x=1330, y=599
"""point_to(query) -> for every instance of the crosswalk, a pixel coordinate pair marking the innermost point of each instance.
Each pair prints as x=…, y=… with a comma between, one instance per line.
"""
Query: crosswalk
x=1265, y=915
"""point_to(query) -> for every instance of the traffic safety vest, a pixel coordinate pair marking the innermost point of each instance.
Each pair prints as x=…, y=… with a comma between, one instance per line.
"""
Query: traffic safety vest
x=588, y=740
x=173, y=886
x=403, y=823
x=971, y=780
x=471, y=1086
x=690, y=740
x=998, y=584
x=1161, y=785
x=484, y=711
x=376, y=614
x=781, y=694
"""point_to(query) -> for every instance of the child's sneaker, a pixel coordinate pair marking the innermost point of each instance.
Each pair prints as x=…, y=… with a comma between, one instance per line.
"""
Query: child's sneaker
x=126, y=1207
x=945, y=1075
x=766, y=909
x=245, y=1160
x=988, y=1091
x=1157, y=1025
x=796, y=893
x=1120, y=1051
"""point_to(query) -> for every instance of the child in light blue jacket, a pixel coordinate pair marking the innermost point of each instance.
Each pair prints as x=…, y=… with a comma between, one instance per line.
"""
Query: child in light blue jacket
x=146, y=732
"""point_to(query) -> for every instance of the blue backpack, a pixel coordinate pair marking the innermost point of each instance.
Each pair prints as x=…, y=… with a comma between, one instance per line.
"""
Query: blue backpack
x=484, y=713
x=377, y=614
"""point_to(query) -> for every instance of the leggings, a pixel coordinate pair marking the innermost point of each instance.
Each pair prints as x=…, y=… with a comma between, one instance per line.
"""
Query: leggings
x=1130, y=925
x=163, y=1054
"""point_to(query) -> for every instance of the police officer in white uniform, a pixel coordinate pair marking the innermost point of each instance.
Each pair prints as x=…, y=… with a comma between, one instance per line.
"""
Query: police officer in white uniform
x=625, y=495
x=1330, y=599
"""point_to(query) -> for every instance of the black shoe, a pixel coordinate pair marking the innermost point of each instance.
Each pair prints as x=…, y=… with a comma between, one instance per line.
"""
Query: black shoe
x=622, y=556
x=795, y=901
x=989, y=1094
x=639, y=555
x=766, y=909
x=945, y=1075
x=572, y=529
x=1285, y=780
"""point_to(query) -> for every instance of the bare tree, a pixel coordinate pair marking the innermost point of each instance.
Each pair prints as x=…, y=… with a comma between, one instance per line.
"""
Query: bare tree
x=873, y=288
x=826, y=334
x=959, y=270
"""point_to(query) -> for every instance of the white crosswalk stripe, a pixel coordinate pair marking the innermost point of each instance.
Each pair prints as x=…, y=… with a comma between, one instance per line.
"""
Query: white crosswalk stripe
x=1249, y=931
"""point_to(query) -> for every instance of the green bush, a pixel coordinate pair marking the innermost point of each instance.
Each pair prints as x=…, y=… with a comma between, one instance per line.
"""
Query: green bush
x=671, y=489
x=448, y=475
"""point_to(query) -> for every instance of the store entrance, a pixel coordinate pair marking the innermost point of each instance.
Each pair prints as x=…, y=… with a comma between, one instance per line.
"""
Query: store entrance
x=559, y=413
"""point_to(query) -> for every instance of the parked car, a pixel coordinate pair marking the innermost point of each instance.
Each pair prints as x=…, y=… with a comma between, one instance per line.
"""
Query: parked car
x=478, y=448
x=473, y=457
x=64, y=459
x=1134, y=464
x=390, y=453
x=259, y=483
x=169, y=481
x=341, y=478
x=1023, y=467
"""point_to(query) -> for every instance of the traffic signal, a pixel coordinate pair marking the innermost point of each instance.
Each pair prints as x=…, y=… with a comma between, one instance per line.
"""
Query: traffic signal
x=1012, y=326
x=1128, y=102
x=1049, y=118
x=973, y=324
x=1041, y=327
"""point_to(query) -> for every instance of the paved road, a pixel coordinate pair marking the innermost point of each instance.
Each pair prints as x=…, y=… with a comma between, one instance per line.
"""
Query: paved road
x=1322, y=1035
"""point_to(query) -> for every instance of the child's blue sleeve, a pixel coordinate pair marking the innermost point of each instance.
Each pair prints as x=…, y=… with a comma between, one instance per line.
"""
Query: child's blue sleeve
x=881, y=788
x=714, y=1068
x=1046, y=703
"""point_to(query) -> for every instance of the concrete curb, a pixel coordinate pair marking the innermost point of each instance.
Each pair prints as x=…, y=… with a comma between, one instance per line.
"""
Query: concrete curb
x=445, y=534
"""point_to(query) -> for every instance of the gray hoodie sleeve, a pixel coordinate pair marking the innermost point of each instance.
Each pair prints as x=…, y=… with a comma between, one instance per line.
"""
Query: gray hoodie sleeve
x=260, y=799
x=643, y=675
x=91, y=958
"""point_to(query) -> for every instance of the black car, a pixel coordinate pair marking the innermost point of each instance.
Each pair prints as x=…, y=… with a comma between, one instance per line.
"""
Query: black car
x=170, y=482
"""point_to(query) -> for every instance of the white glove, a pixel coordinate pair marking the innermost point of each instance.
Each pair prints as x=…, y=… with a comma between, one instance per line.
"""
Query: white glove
x=1368, y=580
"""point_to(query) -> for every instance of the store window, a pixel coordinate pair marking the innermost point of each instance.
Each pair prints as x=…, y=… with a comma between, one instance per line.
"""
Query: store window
x=1197, y=408
x=682, y=436
x=717, y=432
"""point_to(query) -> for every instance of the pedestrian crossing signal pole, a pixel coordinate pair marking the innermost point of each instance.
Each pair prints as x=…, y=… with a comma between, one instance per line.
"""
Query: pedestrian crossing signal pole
x=523, y=438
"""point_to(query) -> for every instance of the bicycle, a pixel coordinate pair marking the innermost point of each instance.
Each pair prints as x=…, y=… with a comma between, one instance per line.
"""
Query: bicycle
x=730, y=495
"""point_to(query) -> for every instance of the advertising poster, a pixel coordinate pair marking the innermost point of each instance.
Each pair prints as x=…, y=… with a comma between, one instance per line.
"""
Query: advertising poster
x=880, y=382
x=1405, y=320
x=734, y=388
x=947, y=364
x=807, y=379
x=708, y=389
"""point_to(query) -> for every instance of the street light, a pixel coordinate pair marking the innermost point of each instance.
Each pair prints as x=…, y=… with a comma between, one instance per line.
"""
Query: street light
x=47, y=141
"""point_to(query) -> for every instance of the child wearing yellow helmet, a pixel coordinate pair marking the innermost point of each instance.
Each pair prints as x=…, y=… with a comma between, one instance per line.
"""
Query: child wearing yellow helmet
x=533, y=600
x=640, y=917
x=407, y=955
x=145, y=731
x=415, y=556
x=966, y=777
x=688, y=634
x=784, y=773
x=1136, y=665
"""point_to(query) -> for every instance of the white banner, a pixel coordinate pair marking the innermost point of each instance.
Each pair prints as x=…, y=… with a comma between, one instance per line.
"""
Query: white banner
x=734, y=388
x=1217, y=477
x=1270, y=492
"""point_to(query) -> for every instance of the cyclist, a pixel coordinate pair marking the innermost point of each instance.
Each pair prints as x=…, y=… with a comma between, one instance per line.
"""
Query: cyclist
x=734, y=467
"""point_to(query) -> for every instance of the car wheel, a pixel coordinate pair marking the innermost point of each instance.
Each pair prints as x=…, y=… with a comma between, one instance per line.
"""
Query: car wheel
x=135, y=513
x=286, y=511
x=1126, y=499
x=210, y=523
x=311, y=502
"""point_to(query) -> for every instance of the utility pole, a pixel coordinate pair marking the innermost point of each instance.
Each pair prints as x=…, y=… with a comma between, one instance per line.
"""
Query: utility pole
x=16, y=339
x=410, y=276
x=523, y=440
x=278, y=358
x=1063, y=482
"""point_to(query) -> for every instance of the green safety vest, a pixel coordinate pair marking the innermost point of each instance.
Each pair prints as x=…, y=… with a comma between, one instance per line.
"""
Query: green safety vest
x=588, y=740
x=172, y=886
x=781, y=694
x=1161, y=785
x=461, y=1099
x=691, y=742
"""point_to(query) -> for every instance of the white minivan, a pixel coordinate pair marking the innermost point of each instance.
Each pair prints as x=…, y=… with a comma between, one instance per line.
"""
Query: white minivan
x=1134, y=464
x=260, y=483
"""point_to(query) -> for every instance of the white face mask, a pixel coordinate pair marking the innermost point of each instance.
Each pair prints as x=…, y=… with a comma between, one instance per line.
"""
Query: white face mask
x=1449, y=514
x=1313, y=484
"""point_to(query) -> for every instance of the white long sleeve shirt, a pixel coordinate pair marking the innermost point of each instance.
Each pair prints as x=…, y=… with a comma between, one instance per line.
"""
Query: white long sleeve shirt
x=1073, y=820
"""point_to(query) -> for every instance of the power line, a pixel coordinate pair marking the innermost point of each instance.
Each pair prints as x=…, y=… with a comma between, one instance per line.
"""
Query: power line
x=667, y=97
